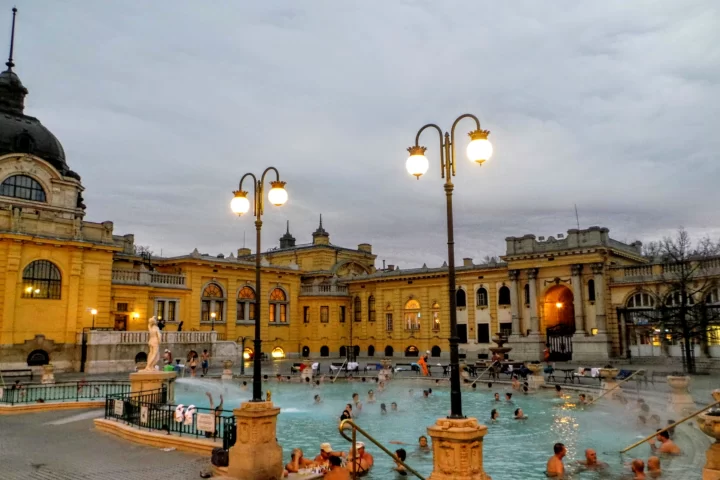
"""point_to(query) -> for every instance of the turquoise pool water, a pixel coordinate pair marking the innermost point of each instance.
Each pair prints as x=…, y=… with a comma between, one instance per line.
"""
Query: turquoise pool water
x=512, y=449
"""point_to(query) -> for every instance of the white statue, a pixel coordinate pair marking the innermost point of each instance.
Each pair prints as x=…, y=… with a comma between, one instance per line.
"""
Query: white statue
x=154, y=337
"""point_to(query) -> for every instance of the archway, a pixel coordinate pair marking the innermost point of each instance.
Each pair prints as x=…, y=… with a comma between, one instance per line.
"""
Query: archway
x=389, y=351
x=306, y=351
x=435, y=351
x=141, y=357
x=38, y=358
x=371, y=351
x=324, y=351
x=356, y=350
x=559, y=321
x=248, y=353
x=412, y=351
x=343, y=352
x=277, y=353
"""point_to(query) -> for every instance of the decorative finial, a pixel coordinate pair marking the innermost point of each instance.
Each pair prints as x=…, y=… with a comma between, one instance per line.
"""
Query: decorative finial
x=320, y=222
x=10, y=63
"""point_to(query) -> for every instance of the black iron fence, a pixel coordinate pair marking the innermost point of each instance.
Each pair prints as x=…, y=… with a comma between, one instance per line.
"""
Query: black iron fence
x=62, y=392
x=148, y=410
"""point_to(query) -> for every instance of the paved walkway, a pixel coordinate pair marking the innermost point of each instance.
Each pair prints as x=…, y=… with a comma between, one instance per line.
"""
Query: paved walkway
x=65, y=446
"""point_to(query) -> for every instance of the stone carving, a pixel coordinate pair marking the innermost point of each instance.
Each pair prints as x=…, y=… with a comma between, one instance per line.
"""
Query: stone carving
x=77, y=228
x=576, y=269
x=532, y=273
x=597, y=268
x=154, y=338
x=514, y=274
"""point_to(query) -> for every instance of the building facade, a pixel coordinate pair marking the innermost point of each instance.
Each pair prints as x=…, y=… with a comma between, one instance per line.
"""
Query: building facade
x=74, y=293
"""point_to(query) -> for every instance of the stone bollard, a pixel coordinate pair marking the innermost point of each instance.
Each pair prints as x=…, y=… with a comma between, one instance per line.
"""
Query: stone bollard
x=48, y=376
x=681, y=402
x=709, y=423
x=536, y=380
x=227, y=373
x=457, y=446
x=256, y=454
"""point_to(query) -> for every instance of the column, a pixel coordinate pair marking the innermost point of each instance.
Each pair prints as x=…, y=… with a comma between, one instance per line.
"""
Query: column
x=514, y=304
x=534, y=320
x=577, y=287
x=600, y=321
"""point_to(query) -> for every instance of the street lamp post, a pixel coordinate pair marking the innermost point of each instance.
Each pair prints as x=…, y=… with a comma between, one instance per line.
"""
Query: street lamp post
x=212, y=321
x=479, y=150
x=240, y=205
x=93, y=312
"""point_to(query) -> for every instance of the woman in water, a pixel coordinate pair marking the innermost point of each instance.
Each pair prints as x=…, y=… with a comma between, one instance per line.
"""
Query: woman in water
x=383, y=409
x=318, y=399
x=494, y=415
x=371, y=396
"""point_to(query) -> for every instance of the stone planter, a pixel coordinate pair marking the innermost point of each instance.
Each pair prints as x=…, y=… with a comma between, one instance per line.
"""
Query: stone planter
x=227, y=373
x=709, y=423
x=681, y=402
x=536, y=379
x=48, y=375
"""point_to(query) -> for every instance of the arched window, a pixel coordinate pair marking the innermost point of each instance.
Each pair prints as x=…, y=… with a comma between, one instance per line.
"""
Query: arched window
x=435, y=351
x=591, y=290
x=141, y=357
x=713, y=296
x=356, y=349
x=371, y=309
x=504, y=296
x=481, y=297
x=460, y=298
x=371, y=351
x=277, y=352
x=343, y=351
x=436, y=316
x=411, y=351
x=246, y=305
x=324, y=351
x=526, y=294
x=248, y=353
x=641, y=300
x=412, y=315
x=675, y=299
x=213, y=301
x=24, y=187
x=389, y=352
x=306, y=351
x=278, y=306
x=41, y=279
x=357, y=312
x=38, y=358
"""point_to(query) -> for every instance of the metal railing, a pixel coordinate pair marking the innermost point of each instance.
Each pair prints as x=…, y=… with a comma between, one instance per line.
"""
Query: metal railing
x=149, y=410
x=353, y=454
x=62, y=392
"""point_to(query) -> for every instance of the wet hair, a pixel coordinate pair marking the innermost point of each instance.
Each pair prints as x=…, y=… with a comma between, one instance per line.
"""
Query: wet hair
x=517, y=410
x=383, y=407
x=335, y=461
x=421, y=437
x=474, y=386
x=288, y=377
x=664, y=434
x=526, y=384
x=349, y=405
x=525, y=389
x=355, y=395
x=582, y=395
x=316, y=397
x=317, y=382
x=363, y=379
x=370, y=392
x=429, y=390
x=489, y=384
x=244, y=383
x=265, y=377
x=508, y=395
x=558, y=447
x=307, y=379
x=558, y=388
x=401, y=454
x=278, y=375
x=492, y=414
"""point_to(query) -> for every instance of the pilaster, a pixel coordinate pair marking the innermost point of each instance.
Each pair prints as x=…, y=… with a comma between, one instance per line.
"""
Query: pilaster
x=578, y=304
x=514, y=303
x=534, y=320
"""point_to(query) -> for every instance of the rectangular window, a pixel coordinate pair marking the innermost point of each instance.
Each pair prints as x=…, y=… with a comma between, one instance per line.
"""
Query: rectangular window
x=483, y=333
x=388, y=322
x=205, y=312
x=342, y=314
x=171, y=310
x=218, y=309
x=412, y=321
x=251, y=311
x=272, y=313
x=436, y=321
x=506, y=328
x=306, y=314
x=283, y=313
x=324, y=314
x=122, y=307
x=160, y=310
x=240, y=312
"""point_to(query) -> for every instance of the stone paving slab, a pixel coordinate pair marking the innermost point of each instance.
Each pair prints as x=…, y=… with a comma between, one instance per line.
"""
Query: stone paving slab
x=65, y=446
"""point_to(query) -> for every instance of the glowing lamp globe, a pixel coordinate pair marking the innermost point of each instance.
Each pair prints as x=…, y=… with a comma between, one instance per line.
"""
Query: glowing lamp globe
x=93, y=311
x=558, y=305
x=240, y=203
x=277, y=194
x=417, y=163
x=479, y=149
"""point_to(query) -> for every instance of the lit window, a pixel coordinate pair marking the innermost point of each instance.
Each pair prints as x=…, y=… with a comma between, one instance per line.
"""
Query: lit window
x=41, y=279
x=641, y=300
x=436, y=316
x=213, y=301
x=278, y=352
x=412, y=315
x=278, y=306
x=24, y=187
x=245, y=305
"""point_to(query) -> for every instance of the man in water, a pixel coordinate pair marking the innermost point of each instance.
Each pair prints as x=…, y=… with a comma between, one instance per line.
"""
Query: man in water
x=591, y=461
x=362, y=461
x=508, y=397
x=318, y=399
x=337, y=471
x=400, y=456
x=519, y=415
x=653, y=467
x=582, y=399
x=393, y=407
x=638, y=469
x=422, y=443
x=326, y=451
x=666, y=445
x=555, y=467
x=497, y=397
x=358, y=403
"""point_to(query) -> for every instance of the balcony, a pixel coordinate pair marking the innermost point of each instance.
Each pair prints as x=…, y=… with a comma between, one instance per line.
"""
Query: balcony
x=324, y=290
x=107, y=337
x=147, y=278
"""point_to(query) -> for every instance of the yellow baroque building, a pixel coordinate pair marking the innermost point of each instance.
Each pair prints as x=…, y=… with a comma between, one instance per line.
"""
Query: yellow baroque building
x=75, y=294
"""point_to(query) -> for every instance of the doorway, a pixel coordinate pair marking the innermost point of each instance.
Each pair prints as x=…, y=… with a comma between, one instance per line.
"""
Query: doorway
x=462, y=333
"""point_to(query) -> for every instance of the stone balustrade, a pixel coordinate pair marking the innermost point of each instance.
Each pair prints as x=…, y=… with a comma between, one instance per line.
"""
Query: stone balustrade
x=324, y=290
x=103, y=337
x=147, y=278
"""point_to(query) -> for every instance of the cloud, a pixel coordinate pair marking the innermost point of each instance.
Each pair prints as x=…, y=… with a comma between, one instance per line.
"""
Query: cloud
x=162, y=106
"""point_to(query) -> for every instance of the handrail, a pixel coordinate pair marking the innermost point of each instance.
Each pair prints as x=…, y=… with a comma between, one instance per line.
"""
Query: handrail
x=377, y=444
x=616, y=386
x=339, y=370
x=670, y=426
x=483, y=373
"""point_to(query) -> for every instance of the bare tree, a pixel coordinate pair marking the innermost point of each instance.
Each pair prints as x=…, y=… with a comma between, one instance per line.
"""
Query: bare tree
x=689, y=271
x=651, y=249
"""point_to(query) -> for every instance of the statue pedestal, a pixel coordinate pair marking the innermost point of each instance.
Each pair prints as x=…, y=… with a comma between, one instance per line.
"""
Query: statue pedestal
x=384, y=375
x=256, y=454
x=608, y=380
x=536, y=380
x=681, y=402
x=144, y=381
x=306, y=373
x=227, y=373
x=709, y=423
x=457, y=449
x=48, y=376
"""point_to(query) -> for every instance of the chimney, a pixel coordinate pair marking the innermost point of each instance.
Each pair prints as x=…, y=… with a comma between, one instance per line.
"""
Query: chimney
x=467, y=262
x=244, y=252
x=365, y=247
x=390, y=268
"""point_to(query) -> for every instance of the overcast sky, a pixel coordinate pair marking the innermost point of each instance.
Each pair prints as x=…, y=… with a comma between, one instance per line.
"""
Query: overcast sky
x=162, y=106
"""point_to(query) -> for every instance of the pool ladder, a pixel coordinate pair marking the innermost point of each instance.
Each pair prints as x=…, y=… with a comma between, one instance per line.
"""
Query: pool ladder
x=353, y=439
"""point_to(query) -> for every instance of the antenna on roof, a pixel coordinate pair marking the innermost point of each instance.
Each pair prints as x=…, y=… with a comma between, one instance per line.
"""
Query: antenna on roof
x=243, y=238
x=577, y=218
x=10, y=63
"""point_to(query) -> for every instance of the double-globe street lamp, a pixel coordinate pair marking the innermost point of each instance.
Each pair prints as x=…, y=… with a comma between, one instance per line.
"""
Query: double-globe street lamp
x=240, y=205
x=478, y=150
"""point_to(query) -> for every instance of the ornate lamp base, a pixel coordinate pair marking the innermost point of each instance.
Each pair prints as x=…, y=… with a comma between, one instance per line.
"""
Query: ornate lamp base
x=256, y=453
x=457, y=449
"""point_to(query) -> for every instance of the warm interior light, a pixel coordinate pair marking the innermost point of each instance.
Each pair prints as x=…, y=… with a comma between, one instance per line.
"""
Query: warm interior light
x=479, y=149
x=559, y=305
x=213, y=315
x=594, y=331
x=240, y=204
x=247, y=354
x=278, y=353
x=37, y=290
x=277, y=195
x=136, y=315
x=93, y=311
x=28, y=290
x=417, y=163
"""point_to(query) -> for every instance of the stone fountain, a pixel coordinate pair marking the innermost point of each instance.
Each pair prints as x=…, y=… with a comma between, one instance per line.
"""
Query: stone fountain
x=709, y=423
x=501, y=340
